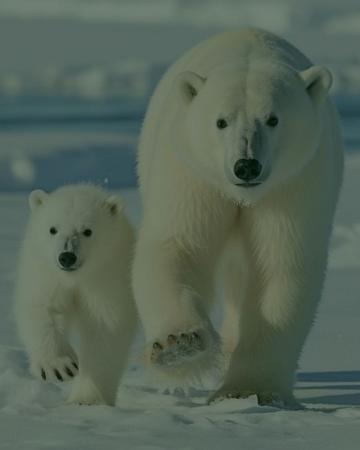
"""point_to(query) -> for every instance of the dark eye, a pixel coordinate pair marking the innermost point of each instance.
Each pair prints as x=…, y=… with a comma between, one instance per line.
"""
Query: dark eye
x=221, y=123
x=272, y=121
x=87, y=232
x=53, y=230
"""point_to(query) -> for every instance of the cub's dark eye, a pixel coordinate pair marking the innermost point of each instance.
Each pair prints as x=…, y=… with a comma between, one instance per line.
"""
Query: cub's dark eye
x=53, y=230
x=87, y=232
x=221, y=123
x=272, y=121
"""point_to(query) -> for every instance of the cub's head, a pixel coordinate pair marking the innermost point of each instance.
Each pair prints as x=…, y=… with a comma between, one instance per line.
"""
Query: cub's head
x=250, y=128
x=73, y=227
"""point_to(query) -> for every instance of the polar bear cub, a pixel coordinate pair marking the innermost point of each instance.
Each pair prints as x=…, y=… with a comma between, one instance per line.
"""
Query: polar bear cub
x=75, y=269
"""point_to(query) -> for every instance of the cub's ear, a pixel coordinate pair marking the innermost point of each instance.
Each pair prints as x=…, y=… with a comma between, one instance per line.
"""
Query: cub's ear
x=37, y=198
x=114, y=205
x=189, y=85
x=318, y=80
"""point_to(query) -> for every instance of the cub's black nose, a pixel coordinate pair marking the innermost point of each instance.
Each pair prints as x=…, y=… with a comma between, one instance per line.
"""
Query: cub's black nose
x=67, y=260
x=247, y=169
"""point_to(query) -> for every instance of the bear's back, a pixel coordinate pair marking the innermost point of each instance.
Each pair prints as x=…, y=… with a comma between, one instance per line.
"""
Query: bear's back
x=233, y=46
x=227, y=47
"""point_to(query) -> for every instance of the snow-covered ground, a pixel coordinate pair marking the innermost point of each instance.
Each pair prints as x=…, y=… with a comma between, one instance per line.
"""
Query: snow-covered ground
x=76, y=75
x=33, y=414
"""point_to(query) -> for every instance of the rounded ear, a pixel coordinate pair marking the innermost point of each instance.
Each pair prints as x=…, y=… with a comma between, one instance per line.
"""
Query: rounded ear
x=189, y=84
x=37, y=198
x=114, y=205
x=318, y=80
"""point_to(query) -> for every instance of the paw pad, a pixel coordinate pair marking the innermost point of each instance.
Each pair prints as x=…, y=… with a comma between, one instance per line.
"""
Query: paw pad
x=177, y=348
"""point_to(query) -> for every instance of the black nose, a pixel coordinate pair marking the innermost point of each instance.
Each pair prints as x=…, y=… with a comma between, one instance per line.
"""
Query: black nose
x=67, y=259
x=247, y=169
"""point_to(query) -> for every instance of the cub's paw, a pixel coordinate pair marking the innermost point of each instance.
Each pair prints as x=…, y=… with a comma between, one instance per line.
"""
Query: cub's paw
x=178, y=347
x=56, y=368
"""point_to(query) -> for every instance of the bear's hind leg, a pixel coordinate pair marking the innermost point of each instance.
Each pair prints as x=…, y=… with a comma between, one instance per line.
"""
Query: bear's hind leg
x=265, y=359
x=282, y=291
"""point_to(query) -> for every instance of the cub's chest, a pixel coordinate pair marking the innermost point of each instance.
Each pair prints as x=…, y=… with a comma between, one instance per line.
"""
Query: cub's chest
x=63, y=299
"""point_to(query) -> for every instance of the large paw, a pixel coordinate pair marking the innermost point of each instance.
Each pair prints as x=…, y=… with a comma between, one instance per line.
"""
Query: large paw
x=177, y=348
x=223, y=394
x=264, y=398
x=55, y=368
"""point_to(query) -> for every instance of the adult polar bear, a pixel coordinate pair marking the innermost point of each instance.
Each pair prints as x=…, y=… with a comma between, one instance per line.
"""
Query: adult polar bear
x=240, y=156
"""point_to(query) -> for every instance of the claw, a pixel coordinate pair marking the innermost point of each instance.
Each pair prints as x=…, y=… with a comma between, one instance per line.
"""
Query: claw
x=184, y=339
x=76, y=366
x=68, y=371
x=157, y=346
x=171, y=340
x=43, y=374
x=58, y=375
x=197, y=341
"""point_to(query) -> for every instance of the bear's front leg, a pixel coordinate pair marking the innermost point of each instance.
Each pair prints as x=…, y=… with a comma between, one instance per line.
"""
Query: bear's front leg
x=179, y=334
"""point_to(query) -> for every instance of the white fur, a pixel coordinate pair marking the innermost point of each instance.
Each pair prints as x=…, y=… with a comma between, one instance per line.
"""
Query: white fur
x=96, y=297
x=273, y=237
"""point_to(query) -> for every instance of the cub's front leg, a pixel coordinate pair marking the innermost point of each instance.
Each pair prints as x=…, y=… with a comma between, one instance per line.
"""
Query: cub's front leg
x=50, y=355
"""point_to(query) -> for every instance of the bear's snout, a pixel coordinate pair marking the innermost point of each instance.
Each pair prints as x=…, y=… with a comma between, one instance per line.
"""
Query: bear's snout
x=247, y=169
x=67, y=260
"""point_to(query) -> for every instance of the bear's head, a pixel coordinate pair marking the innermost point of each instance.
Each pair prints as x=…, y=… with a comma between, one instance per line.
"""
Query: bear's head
x=250, y=128
x=74, y=228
